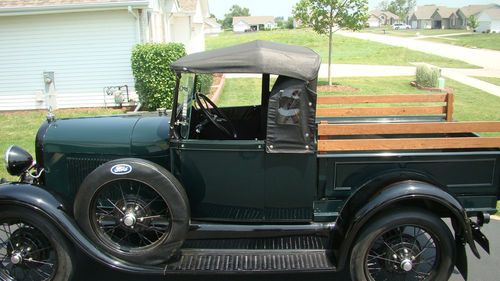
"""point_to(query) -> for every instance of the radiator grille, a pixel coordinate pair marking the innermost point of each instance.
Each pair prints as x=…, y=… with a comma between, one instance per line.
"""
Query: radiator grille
x=79, y=167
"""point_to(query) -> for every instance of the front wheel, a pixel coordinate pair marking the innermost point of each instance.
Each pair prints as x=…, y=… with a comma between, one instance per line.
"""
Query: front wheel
x=31, y=248
x=410, y=244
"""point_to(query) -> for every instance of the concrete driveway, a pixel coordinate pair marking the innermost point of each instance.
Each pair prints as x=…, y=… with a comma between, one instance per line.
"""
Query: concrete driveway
x=485, y=269
x=488, y=59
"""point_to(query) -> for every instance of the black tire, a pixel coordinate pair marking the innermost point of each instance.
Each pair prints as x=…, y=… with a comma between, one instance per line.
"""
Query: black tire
x=147, y=243
x=375, y=257
x=46, y=253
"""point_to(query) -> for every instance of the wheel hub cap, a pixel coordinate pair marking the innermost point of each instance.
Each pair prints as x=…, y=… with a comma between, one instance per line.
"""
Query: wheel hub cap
x=129, y=219
x=406, y=265
x=16, y=258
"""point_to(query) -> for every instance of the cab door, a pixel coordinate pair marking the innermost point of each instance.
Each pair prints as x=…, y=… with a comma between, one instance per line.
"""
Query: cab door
x=224, y=179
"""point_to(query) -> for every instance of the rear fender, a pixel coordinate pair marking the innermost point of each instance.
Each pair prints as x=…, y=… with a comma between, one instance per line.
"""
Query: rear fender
x=45, y=203
x=368, y=204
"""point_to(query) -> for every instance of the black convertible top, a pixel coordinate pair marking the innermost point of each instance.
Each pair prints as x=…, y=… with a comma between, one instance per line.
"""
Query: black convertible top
x=255, y=57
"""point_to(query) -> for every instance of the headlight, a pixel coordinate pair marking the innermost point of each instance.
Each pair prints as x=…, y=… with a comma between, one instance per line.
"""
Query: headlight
x=17, y=160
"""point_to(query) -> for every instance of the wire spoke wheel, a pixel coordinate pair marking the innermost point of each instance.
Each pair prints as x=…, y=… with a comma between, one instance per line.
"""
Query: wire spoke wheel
x=25, y=252
x=130, y=215
x=406, y=252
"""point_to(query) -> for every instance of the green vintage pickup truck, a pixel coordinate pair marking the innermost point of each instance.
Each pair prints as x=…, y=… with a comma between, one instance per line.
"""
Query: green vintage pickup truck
x=296, y=183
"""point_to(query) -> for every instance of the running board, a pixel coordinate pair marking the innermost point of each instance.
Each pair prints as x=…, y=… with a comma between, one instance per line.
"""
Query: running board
x=249, y=261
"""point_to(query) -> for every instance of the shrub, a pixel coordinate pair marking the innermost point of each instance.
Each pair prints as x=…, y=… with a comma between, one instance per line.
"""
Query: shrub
x=427, y=76
x=154, y=80
x=204, y=83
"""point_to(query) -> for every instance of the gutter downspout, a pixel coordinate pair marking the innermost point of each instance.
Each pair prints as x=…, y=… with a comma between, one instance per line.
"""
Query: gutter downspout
x=137, y=19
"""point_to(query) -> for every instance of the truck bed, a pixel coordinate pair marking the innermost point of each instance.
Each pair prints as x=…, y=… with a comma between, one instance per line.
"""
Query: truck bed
x=356, y=145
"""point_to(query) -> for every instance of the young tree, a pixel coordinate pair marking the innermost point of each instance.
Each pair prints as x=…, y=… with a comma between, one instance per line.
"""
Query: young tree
x=472, y=23
x=328, y=16
x=401, y=7
x=234, y=11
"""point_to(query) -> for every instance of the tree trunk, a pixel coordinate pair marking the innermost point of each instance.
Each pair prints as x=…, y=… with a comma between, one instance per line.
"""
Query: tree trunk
x=330, y=49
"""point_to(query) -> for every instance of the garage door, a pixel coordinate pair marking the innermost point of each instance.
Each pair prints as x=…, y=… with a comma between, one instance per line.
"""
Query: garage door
x=87, y=51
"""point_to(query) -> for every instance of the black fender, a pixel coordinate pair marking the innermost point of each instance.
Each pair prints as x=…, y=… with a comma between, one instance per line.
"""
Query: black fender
x=50, y=206
x=367, y=203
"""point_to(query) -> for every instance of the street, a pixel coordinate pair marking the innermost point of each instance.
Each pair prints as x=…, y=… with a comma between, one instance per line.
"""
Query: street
x=485, y=269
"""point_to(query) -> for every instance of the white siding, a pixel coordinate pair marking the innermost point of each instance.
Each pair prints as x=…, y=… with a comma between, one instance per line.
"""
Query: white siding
x=87, y=51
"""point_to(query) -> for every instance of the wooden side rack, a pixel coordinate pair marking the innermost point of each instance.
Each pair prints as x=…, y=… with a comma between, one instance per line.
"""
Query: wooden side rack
x=399, y=136
x=445, y=110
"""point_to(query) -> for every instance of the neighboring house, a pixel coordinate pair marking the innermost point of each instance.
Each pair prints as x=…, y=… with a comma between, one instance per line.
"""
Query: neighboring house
x=373, y=21
x=466, y=12
x=384, y=18
x=421, y=18
x=489, y=20
x=444, y=18
x=85, y=45
x=212, y=26
x=253, y=23
x=188, y=24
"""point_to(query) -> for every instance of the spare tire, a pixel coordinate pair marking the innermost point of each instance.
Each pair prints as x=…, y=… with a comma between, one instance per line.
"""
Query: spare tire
x=134, y=209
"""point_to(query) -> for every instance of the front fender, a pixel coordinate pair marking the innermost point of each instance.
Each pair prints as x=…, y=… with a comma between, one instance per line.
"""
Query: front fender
x=405, y=191
x=40, y=200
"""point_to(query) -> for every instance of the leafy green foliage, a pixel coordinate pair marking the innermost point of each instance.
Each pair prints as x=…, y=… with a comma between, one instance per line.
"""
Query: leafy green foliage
x=234, y=11
x=402, y=8
x=154, y=80
x=324, y=16
x=427, y=76
x=204, y=83
x=472, y=22
x=328, y=16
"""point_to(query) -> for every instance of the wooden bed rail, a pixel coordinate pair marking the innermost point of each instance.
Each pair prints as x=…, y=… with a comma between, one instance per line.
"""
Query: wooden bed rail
x=375, y=143
x=445, y=110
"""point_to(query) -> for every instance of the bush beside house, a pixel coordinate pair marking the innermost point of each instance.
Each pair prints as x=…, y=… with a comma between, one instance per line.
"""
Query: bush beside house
x=154, y=80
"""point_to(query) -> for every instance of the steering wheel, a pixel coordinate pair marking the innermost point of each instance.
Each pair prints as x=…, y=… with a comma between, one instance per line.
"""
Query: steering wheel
x=214, y=115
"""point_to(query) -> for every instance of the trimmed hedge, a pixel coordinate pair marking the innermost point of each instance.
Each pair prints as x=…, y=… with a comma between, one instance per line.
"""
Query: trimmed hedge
x=154, y=80
x=204, y=83
x=427, y=76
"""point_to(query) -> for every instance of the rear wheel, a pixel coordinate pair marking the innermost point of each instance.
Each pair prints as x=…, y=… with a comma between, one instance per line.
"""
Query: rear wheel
x=404, y=245
x=31, y=248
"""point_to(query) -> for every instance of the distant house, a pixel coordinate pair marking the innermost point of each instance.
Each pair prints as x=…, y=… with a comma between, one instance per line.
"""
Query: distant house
x=73, y=50
x=421, y=18
x=253, y=23
x=212, y=26
x=383, y=18
x=464, y=13
x=444, y=18
x=489, y=20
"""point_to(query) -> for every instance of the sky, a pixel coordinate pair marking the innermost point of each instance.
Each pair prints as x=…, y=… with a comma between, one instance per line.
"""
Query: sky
x=284, y=7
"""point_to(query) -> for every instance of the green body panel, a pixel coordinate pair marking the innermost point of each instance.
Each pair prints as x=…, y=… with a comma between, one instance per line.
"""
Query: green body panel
x=238, y=181
x=472, y=177
x=72, y=148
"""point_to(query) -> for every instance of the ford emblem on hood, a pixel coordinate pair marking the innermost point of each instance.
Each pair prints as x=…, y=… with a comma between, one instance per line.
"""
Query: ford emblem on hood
x=121, y=169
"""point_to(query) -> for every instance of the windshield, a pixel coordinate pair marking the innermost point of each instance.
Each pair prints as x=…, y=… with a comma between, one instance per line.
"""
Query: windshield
x=184, y=102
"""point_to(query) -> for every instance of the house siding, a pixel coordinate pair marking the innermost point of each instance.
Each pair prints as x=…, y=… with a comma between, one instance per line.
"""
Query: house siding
x=87, y=51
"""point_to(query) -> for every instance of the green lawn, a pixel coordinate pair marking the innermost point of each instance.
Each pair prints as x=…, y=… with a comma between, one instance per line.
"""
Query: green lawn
x=492, y=80
x=20, y=127
x=345, y=50
x=411, y=32
x=470, y=104
x=473, y=40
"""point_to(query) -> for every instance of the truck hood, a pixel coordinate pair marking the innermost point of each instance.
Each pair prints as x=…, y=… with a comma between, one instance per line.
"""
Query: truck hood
x=121, y=135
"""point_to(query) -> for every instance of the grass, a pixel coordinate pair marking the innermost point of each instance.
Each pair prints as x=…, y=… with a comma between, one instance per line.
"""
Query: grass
x=345, y=49
x=471, y=104
x=411, y=32
x=492, y=80
x=473, y=40
x=20, y=128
